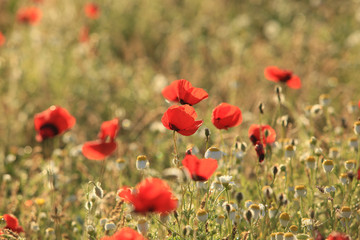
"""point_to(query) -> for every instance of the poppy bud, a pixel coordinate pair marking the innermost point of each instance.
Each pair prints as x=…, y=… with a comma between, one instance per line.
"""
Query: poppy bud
x=275, y=170
x=207, y=133
x=239, y=197
x=98, y=190
x=88, y=205
x=248, y=215
x=259, y=148
x=261, y=108
x=187, y=231
x=282, y=168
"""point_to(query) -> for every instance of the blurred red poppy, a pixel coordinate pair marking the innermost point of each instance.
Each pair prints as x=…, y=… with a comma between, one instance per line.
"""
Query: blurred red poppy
x=12, y=223
x=259, y=148
x=358, y=174
x=226, y=115
x=150, y=195
x=200, y=169
x=106, y=145
x=2, y=39
x=183, y=92
x=29, y=15
x=268, y=134
x=338, y=236
x=125, y=234
x=84, y=35
x=52, y=122
x=181, y=119
x=92, y=10
x=109, y=129
x=276, y=74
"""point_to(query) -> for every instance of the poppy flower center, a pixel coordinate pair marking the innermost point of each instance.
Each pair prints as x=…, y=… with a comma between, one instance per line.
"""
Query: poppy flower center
x=286, y=77
x=48, y=130
x=198, y=178
x=183, y=102
x=173, y=127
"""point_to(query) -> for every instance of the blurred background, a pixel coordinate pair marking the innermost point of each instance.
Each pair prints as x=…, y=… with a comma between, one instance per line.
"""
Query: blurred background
x=117, y=63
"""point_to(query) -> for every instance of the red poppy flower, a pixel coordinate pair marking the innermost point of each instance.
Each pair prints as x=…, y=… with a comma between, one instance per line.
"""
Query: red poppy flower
x=338, y=236
x=359, y=104
x=106, y=145
x=92, y=10
x=84, y=35
x=2, y=39
x=29, y=15
x=259, y=148
x=109, y=129
x=150, y=195
x=200, y=169
x=182, y=91
x=125, y=234
x=12, y=223
x=225, y=116
x=276, y=74
x=254, y=134
x=53, y=121
x=181, y=119
x=358, y=174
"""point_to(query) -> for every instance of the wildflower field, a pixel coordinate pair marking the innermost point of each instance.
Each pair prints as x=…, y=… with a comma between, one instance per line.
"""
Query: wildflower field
x=179, y=119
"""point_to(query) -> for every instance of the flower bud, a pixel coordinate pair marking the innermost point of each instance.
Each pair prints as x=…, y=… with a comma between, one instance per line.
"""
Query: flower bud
x=324, y=100
x=255, y=209
x=328, y=165
x=202, y=215
x=120, y=164
x=284, y=219
x=141, y=162
x=213, y=152
x=220, y=219
x=357, y=128
x=143, y=226
x=345, y=212
x=109, y=226
x=350, y=164
x=344, y=178
x=311, y=162
x=300, y=190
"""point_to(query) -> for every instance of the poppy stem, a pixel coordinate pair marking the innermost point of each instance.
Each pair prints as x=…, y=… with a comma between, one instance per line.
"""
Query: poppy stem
x=175, y=149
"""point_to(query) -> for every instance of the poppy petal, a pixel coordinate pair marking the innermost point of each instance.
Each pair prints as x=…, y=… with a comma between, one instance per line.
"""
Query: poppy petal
x=109, y=129
x=171, y=92
x=294, y=82
x=98, y=150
